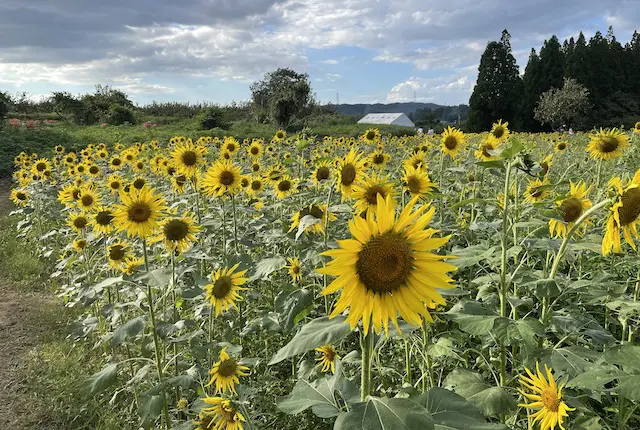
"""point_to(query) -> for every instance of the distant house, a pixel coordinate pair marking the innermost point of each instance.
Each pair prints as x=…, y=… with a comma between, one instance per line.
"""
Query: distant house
x=387, y=118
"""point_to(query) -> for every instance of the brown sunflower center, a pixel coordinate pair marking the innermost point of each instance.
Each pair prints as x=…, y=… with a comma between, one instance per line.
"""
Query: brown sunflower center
x=256, y=185
x=21, y=196
x=284, y=185
x=41, y=166
x=244, y=182
x=189, y=158
x=171, y=171
x=295, y=269
x=222, y=287
x=485, y=150
x=94, y=170
x=371, y=135
x=104, y=218
x=255, y=167
x=329, y=354
x=139, y=212
x=498, y=132
x=181, y=180
x=378, y=159
x=608, y=144
x=384, y=263
x=413, y=183
x=255, y=150
x=231, y=147
x=80, y=222
x=86, y=200
x=114, y=185
x=227, y=367
x=371, y=194
x=279, y=135
x=227, y=178
x=315, y=211
x=550, y=399
x=570, y=209
x=451, y=142
x=176, y=230
x=139, y=183
x=117, y=252
x=630, y=209
x=348, y=174
x=322, y=174
x=562, y=146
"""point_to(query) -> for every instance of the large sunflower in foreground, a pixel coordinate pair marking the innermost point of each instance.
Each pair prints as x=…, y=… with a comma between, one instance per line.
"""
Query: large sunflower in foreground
x=188, y=157
x=367, y=191
x=569, y=210
x=624, y=215
x=221, y=415
x=607, y=144
x=225, y=372
x=388, y=268
x=350, y=170
x=546, y=396
x=140, y=212
x=222, y=177
x=222, y=293
x=453, y=141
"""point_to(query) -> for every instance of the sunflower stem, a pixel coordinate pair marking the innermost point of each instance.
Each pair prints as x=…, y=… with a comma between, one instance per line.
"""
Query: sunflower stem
x=442, y=155
x=235, y=224
x=503, y=269
x=407, y=359
x=598, y=174
x=224, y=231
x=326, y=244
x=366, y=345
x=427, y=358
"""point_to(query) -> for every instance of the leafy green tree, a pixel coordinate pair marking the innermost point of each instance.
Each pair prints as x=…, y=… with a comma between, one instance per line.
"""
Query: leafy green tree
x=5, y=102
x=499, y=88
x=282, y=97
x=212, y=117
x=566, y=105
x=531, y=93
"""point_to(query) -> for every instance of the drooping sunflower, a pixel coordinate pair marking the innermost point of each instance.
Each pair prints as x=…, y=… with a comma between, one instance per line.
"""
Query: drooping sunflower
x=350, y=171
x=379, y=159
x=322, y=173
x=453, y=141
x=485, y=151
x=102, y=220
x=318, y=212
x=561, y=146
x=500, y=130
x=117, y=254
x=188, y=157
x=178, y=233
x=416, y=181
x=327, y=359
x=388, y=268
x=78, y=221
x=294, y=269
x=222, y=415
x=79, y=245
x=624, y=215
x=545, y=165
x=545, y=396
x=131, y=264
x=537, y=191
x=19, y=197
x=225, y=372
x=366, y=192
x=140, y=212
x=372, y=135
x=285, y=187
x=223, y=177
x=569, y=210
x=607, y=144
x=223, y=292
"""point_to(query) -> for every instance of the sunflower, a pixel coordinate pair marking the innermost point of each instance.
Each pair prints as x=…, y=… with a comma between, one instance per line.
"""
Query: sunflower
x=285, y=187
x=418, y=159
x=222, y=293
x=371, y=136
x=187, y=157
x=500, y=130
x=546, y=164
x=485, y=151
x=624, y=215
x=318, y=212
x=222, y=177
x=114, y=183
x=178, y=233
x=140, y=212
x=280, y=136
x=117, y=254
x=546, y=396
x=102, y=220
x=41, y=165
x=379, y=159
x=607, y=144
x=88, y=199
x=274, y=174
x=139, y=166
x=561, y=146
x=230, y=145
x=225, y=372
x=366, y=192
x=322, y=173
x=255, y=150
x=537, y=191
x=79, y=245
x=453, y=141
x=256, y=167
x=222, y=415
x=70, y=159
x=256, y=186
x=416, y=181
x=387, y=268
x=636, y=128
x=19, y=197
x=569, y=210
x=178, y=182
x=131, y=264
x=295, y=269
x=350, y=171
x=78, y=222
x=327, y=358
x=138, y=183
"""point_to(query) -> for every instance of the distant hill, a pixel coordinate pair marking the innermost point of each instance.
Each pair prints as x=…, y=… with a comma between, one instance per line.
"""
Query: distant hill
x=362, y=109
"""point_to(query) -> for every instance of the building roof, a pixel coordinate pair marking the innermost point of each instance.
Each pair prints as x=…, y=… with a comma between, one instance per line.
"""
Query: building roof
x=387, y=118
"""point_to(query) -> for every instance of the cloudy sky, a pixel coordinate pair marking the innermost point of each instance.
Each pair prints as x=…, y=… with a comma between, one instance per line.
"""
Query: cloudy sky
x=211, y=50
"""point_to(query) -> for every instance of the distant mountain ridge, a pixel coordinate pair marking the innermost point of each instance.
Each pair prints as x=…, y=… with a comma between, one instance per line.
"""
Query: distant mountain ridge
x=361, y=109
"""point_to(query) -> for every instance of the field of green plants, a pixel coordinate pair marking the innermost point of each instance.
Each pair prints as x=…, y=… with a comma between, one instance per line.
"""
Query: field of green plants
x=455, y=281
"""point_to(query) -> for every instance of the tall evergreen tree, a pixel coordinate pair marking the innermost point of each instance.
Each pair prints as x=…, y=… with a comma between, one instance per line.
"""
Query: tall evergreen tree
x=551, y=65
x=498, y=90
x=532, y=84
x=577, y=62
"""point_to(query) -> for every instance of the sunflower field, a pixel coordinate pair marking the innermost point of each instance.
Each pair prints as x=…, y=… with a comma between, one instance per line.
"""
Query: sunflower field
x=456, y=281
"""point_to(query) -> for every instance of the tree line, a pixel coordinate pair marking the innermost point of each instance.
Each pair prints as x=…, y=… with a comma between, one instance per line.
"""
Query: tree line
x=577, y=83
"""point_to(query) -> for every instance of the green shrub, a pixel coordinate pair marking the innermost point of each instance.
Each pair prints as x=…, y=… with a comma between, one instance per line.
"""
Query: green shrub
x=119, y=115
x=212, y=117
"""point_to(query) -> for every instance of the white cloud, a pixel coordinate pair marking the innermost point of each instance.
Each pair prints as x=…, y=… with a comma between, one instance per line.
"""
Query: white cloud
x=441, y=90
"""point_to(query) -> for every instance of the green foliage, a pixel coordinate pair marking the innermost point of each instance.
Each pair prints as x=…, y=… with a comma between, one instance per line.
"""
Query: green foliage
x=566, y=105
x=212, y=117
x=5, y=102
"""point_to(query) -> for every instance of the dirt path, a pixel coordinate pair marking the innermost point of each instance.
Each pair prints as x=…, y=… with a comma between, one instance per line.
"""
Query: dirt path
x=19, y=332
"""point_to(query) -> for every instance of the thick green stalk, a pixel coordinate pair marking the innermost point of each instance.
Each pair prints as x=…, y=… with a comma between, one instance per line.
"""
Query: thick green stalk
x=366, y=345
x=235, y=224
x=503, y=269
x=407, y=359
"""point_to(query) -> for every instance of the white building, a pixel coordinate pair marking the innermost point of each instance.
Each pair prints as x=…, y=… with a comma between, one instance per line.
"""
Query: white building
x=387, y=118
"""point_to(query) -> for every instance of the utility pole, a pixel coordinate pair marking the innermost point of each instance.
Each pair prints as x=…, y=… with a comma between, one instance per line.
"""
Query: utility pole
x=337, y=98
